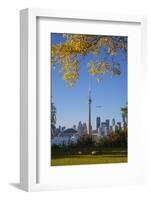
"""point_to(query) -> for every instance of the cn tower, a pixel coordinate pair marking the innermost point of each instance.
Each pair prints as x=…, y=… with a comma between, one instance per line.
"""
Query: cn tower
x=89, y=122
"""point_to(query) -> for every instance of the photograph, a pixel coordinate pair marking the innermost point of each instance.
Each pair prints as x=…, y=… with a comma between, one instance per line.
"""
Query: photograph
x=89, y=99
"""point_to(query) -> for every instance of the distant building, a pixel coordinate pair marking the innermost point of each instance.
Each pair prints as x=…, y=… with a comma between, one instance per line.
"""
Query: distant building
x=80, y=128
x=103, y=124
x=113, y=122
x=115, y=128
x=98, y=122
x=103, y=129
x=119, y=125
x=111, y=129
x=107, y=123
x=69, y=131
x=66, y=137
x=99, y=130
x=85, y=130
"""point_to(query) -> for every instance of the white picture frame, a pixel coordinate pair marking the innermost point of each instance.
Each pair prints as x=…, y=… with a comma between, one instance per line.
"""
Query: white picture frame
x=29, y=148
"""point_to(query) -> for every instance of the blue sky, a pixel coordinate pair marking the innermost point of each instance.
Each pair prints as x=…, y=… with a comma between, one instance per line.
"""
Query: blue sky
x=72, y=102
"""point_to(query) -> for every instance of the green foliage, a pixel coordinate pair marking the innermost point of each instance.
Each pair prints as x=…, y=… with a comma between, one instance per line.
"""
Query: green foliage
x=86, y=145
x=125, y=111
x=117, y=139
x=85, y=141
x=53, y=118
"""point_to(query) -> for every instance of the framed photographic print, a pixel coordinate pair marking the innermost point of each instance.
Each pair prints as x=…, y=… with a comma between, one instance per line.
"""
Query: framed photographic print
x=81, y=80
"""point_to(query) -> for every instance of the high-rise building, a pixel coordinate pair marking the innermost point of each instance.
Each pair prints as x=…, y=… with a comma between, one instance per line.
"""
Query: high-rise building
x=113, y=122
x=103, y=124
x=98, y=122
x=85, y=128
x=111, y=129
x=80, y=128
x=107, y=123
x=119, y=125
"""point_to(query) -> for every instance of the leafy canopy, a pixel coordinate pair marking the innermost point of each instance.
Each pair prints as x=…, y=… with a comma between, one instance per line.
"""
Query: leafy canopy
x=68, y=54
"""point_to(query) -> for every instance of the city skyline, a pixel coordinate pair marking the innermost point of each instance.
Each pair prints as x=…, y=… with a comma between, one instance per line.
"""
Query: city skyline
x=75, y=126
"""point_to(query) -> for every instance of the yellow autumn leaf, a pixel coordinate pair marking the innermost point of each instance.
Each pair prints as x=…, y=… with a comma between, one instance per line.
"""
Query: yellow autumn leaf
x=65, y=76
x=109, y=50
x=69, y=76
x=89, y=64
x=101, y=71
x=92, y=70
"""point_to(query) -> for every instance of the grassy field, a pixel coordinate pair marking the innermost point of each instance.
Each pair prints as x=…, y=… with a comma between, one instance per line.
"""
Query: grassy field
x=108, y=157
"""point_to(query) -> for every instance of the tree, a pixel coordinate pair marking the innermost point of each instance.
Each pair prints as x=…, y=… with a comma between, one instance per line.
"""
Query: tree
x=53, y=119
x=125, y=112
x=67, y=55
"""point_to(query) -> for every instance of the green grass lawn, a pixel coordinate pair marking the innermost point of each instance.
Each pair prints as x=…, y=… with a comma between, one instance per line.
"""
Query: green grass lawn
x=111, y=157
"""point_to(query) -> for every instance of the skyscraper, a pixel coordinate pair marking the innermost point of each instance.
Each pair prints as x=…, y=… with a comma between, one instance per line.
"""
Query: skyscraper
x=107, y=123
x=98, y=122
x=113, y=122
x=85, y=128
x=119, y=125
x=80, y=128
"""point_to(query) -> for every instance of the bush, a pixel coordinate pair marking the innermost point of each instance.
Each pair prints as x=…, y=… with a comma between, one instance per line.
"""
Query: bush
x=55, y=146
x=85, y=140
x=116, y=139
